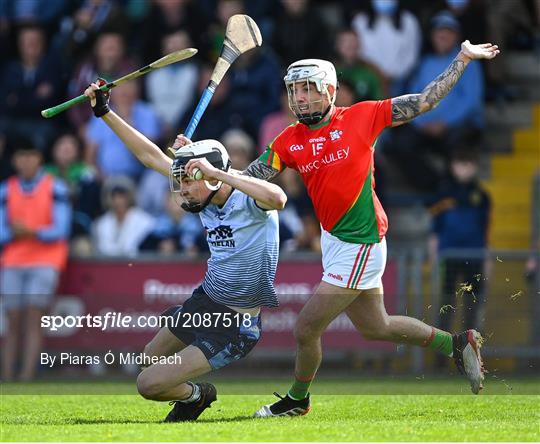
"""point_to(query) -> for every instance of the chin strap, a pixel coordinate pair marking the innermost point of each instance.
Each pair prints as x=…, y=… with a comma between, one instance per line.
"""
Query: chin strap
x=313, y=119
x=197, y=208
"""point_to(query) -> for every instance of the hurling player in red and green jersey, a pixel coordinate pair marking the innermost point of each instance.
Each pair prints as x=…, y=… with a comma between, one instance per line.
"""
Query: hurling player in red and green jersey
x=332, y=150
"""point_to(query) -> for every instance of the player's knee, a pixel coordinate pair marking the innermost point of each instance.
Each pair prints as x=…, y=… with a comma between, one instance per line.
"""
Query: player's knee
x=148, y=388
x=147, y=351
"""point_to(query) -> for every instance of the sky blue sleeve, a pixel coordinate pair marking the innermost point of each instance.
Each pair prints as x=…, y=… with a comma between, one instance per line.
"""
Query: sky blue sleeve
x=61, y=226
x=255, y=210
x=5, y=230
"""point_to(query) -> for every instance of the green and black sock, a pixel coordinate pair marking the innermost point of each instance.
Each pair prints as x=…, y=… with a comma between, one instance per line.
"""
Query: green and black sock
x=440, y=341
x=300, y=388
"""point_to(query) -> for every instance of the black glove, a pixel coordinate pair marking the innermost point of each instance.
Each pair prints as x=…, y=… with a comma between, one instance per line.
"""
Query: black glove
x=102, y=100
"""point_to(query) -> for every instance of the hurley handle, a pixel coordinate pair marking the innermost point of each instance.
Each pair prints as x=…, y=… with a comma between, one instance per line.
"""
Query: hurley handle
x=51, y=112
x=199, y=111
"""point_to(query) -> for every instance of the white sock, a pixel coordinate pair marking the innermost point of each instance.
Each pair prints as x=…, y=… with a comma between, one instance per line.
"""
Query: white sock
x=195, y=394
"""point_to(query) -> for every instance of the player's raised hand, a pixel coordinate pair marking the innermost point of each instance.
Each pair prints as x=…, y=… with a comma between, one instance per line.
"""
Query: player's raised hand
x=181, y=141
x=481, y=51
x=195, y=167
x=99, y=100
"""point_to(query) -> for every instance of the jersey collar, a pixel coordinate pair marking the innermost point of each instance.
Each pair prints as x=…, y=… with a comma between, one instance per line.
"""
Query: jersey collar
x=324, y=122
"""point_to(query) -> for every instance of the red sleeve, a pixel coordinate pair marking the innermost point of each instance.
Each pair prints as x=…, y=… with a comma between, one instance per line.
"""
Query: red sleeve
x=377, y=113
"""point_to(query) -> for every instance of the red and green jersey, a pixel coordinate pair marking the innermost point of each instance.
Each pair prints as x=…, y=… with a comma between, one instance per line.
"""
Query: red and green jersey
x=335, y=160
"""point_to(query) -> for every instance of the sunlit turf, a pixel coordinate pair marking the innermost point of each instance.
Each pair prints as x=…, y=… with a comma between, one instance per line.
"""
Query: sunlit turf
x=384, y=409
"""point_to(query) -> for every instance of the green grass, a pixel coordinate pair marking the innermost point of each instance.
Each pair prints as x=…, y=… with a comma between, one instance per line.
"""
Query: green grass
x=506, y=411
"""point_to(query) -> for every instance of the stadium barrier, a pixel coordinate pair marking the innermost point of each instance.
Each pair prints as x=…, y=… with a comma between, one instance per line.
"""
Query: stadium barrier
x=147, y=285
x=143, y=288
x=496, y=285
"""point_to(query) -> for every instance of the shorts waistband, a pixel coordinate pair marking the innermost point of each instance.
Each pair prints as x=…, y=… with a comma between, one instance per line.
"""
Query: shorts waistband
x=255, y=311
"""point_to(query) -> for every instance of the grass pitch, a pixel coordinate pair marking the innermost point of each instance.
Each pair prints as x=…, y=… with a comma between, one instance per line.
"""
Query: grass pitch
x=388, y=410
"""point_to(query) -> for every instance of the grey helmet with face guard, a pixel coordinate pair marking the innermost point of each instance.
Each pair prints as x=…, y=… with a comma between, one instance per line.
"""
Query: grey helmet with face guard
x=211, y=150
x=317, y=72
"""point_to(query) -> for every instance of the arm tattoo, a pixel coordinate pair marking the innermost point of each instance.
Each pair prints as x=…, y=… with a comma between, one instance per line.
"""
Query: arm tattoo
x=405, y=108
x=260, y=170
x=441, y=86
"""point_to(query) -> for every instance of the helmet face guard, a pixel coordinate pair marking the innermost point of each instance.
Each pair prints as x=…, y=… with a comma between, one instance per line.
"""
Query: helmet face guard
x=312, y=112
x=315, y=75
x=216, y=155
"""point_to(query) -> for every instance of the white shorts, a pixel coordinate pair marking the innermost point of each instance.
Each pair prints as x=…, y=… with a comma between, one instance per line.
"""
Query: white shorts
x=358, y=266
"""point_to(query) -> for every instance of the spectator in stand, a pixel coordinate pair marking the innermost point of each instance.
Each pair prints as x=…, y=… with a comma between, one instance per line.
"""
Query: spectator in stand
x=255, y=88
x=6, y=167
x=254, y=77
x=264, y=14
x=163, y=90
x=274, y=123
x=152, y=192
x=79, y=30
x=80, y=178
x=44, y=12
x=368, y=82
x=240, y=146
x=218, y=117
x=168, y=16
x=109, y=61
x=66, y=163
x=506, y=21
x=390, y=38
x=347, y=94
x=458, y=117
x=105, y=150
x=176, y=231
x=30, y=83
x=460, y=212
x=35, y=217
x=16, y=13
x=299, y=32
x=225, y=9
x=471, y=15
x=121, y=230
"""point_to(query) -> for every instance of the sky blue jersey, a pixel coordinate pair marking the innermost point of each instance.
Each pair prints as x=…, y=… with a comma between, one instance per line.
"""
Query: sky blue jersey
x=244, y=248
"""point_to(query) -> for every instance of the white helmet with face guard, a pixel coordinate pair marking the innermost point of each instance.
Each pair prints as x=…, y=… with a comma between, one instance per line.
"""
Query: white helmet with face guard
x=317, y=72
x=214, y=152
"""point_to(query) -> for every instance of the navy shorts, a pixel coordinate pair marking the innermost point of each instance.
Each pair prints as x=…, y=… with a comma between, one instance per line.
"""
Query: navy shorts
x=222, y=334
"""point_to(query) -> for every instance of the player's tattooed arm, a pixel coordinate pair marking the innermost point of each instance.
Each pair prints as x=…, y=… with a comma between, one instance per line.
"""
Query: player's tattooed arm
x=260, y=170
x=406, y=108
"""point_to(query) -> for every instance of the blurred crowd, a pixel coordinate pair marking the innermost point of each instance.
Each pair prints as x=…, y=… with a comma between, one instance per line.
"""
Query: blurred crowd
x=52, y=49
